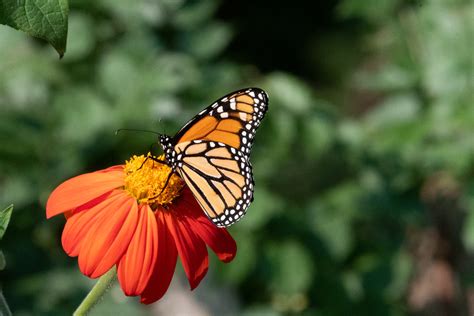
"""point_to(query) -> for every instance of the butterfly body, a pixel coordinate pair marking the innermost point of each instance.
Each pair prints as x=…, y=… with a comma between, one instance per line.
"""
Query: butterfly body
x=211, y=154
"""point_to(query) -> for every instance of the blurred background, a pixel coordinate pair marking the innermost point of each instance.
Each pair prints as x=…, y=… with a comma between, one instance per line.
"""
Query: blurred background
x=364, y=165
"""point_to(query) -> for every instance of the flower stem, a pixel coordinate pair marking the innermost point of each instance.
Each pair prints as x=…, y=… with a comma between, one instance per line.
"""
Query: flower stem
x=96, y=293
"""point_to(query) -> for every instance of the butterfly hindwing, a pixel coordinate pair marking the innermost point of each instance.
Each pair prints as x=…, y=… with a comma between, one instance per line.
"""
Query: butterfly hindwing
x=220, y=178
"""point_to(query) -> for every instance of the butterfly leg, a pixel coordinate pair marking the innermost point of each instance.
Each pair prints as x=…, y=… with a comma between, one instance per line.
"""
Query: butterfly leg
x=146, y=159
x=152, y=158
x=163, y=162
x=166, y=184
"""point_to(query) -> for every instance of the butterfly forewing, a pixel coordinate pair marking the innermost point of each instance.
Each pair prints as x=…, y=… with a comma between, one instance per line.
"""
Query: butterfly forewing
x=220, y=178
x=232, y=120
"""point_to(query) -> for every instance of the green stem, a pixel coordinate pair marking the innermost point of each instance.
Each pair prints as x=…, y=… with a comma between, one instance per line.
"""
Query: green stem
x=96, y=293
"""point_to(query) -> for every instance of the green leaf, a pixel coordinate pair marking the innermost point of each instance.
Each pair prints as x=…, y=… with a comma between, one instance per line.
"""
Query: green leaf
x=5, y=219
x=46, y=19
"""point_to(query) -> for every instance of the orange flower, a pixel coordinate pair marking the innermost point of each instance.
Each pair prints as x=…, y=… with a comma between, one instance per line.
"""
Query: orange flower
x=117, y=216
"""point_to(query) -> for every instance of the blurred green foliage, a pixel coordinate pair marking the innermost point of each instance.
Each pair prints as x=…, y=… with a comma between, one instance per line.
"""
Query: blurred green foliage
x=368, y=141
x=5, y=216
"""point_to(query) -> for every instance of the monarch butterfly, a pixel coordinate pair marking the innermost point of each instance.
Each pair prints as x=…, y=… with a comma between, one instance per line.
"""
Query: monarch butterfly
x=211, y=154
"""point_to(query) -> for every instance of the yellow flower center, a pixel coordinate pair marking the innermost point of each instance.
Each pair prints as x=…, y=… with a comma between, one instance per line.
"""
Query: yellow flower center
x=145, y=180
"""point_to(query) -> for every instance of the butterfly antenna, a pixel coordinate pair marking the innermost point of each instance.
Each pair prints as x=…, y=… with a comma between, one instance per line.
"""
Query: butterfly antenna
x=135, y=130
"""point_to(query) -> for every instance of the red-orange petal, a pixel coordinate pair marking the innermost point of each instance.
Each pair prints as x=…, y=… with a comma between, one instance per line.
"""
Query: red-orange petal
x=165, y=263
x=191, y=248
x=136, y=266
x=78, y=225
x=109, y=237
x=112, y=168
x=218, y=239
x=81, y=189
